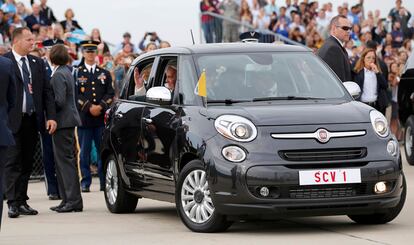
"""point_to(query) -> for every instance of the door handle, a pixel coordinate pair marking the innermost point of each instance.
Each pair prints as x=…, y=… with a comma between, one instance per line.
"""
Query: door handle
x=147, y=120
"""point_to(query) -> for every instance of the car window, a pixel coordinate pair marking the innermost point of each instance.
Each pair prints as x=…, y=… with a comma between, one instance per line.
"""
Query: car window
x=165, y=65
x=265, y=75
x=144, y=71
x=186, y=81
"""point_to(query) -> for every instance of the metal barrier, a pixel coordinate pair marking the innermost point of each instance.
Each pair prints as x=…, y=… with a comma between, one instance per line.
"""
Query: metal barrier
x=220, y=29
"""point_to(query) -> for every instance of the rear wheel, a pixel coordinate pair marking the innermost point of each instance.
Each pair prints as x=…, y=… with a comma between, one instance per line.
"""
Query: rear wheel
x=116, y=198
x=193, y=200
x=408, y=140
x=385, y=217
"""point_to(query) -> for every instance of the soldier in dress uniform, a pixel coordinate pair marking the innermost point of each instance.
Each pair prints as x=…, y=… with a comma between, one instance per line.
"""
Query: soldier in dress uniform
x=48, y=155
x=95, y=95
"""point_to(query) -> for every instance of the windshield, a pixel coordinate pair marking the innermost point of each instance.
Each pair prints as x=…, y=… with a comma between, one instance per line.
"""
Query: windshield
x=268, y=76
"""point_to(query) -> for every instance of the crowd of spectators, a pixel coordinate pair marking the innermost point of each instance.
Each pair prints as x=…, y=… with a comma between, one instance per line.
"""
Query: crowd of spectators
x=391, y=35
x=43, y=23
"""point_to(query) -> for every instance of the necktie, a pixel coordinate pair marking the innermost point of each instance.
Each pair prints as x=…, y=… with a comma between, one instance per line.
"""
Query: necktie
x=26, y=81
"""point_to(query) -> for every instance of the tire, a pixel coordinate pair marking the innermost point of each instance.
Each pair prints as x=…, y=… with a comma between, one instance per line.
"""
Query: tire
x=408, y=140
x=382, y=218
x=116, y=198
x=200, y=216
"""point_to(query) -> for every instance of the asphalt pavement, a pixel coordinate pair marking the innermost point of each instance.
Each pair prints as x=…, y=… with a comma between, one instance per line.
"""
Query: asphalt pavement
x=157, y=223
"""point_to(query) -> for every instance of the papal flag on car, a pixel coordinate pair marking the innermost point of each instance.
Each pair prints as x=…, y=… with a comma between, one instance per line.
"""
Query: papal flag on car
x=201, y=85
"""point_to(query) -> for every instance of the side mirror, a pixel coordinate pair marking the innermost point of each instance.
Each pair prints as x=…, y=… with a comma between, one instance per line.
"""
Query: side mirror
x=353, y=89
x=159, y=95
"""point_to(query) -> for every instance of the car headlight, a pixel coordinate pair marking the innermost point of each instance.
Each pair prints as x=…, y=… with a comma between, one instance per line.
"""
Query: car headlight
x=379, y=123
x=236, y=128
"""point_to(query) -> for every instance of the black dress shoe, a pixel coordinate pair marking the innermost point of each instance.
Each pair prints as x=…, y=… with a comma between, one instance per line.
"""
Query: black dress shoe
x=67, y=208
x=13, y=212
x=85, y=189
x=54, y=208
x=25, y=209
x=54, y=197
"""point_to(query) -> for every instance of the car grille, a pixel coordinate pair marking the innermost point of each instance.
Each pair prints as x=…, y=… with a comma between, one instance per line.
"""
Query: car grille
x=333, y=191
x=323, y=154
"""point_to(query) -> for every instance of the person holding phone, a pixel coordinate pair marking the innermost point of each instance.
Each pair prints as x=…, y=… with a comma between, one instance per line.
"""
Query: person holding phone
x=371, y=81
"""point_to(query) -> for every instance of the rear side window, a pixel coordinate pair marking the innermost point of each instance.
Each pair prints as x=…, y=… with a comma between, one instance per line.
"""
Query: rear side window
x=144, y=69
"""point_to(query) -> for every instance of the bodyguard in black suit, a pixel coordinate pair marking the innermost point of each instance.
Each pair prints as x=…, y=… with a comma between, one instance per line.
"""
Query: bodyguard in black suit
x=34, y=100
x=333, y=51
x=7, y=100
x=67, y=117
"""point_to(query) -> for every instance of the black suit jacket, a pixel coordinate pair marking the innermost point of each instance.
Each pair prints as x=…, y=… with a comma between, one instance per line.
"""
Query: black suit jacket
x=75, y=25
x=31, y=21
x=337, y=58
x=43, y=98
x=7, y=99
x=382, y=86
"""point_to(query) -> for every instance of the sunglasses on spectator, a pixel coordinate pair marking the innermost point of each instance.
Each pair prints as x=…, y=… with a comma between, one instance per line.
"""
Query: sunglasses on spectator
x=345, y=28
x=90, y=51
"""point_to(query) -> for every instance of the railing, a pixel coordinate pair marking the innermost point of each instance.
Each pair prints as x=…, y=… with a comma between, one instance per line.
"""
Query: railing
x=217, y=34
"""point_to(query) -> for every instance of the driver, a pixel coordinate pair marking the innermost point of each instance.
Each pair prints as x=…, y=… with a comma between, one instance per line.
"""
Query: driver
x=264, y=84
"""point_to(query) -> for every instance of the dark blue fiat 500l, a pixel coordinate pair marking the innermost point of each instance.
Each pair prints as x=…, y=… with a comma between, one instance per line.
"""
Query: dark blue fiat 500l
x=277, y=135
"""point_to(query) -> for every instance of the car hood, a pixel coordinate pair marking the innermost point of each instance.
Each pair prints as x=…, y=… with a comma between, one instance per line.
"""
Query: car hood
x=295, y=113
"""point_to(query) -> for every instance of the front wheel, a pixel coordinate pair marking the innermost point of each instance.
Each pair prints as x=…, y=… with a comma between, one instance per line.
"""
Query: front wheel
x=116, y=198
x=385, y=217
x=408, y=140
x=193, y=200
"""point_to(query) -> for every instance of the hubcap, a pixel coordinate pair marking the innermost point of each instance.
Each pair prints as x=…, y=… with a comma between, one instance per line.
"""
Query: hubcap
x=111, y=182
x=195, y=197
x=408, y=141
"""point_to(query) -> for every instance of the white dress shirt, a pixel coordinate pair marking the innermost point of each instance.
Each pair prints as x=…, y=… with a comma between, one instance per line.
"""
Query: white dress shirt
x=18, y=58
x=89, y=67
x=369, y=91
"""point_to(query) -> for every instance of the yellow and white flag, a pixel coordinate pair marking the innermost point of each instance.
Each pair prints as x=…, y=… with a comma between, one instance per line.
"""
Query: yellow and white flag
x=202, y=86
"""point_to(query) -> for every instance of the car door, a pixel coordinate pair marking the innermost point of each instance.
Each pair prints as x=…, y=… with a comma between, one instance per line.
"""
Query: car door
x=126, y=131
x=159, y=137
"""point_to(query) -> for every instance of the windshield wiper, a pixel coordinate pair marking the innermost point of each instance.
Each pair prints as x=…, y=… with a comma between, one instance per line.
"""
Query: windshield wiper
x=287, y=98
x=228, y=101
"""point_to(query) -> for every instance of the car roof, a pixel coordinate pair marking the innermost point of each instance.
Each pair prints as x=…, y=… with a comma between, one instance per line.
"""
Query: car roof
x=220, y=48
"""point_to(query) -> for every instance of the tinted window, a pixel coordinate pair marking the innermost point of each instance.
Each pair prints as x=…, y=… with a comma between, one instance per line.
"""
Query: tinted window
x=261, y=75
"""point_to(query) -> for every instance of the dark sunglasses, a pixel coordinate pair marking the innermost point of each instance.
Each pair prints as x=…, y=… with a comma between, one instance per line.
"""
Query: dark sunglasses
x=345, y=28
x=90, y=51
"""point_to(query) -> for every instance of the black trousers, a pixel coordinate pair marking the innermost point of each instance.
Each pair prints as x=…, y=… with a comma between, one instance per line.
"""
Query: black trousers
x=2, y=159
x=19, y=161
x=66, y=170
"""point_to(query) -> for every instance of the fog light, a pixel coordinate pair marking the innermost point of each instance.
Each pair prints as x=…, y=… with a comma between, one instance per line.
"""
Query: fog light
x=380, y=187
x=233, y=154
x=264, y=191
x=392, y=148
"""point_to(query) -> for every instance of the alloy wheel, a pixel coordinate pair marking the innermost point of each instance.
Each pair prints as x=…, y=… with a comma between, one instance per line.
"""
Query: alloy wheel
x=195, y=197
x=111, y=182
x=408, y=141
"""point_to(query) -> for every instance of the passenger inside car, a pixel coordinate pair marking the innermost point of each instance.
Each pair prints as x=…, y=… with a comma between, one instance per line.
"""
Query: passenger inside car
x=140, y=78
